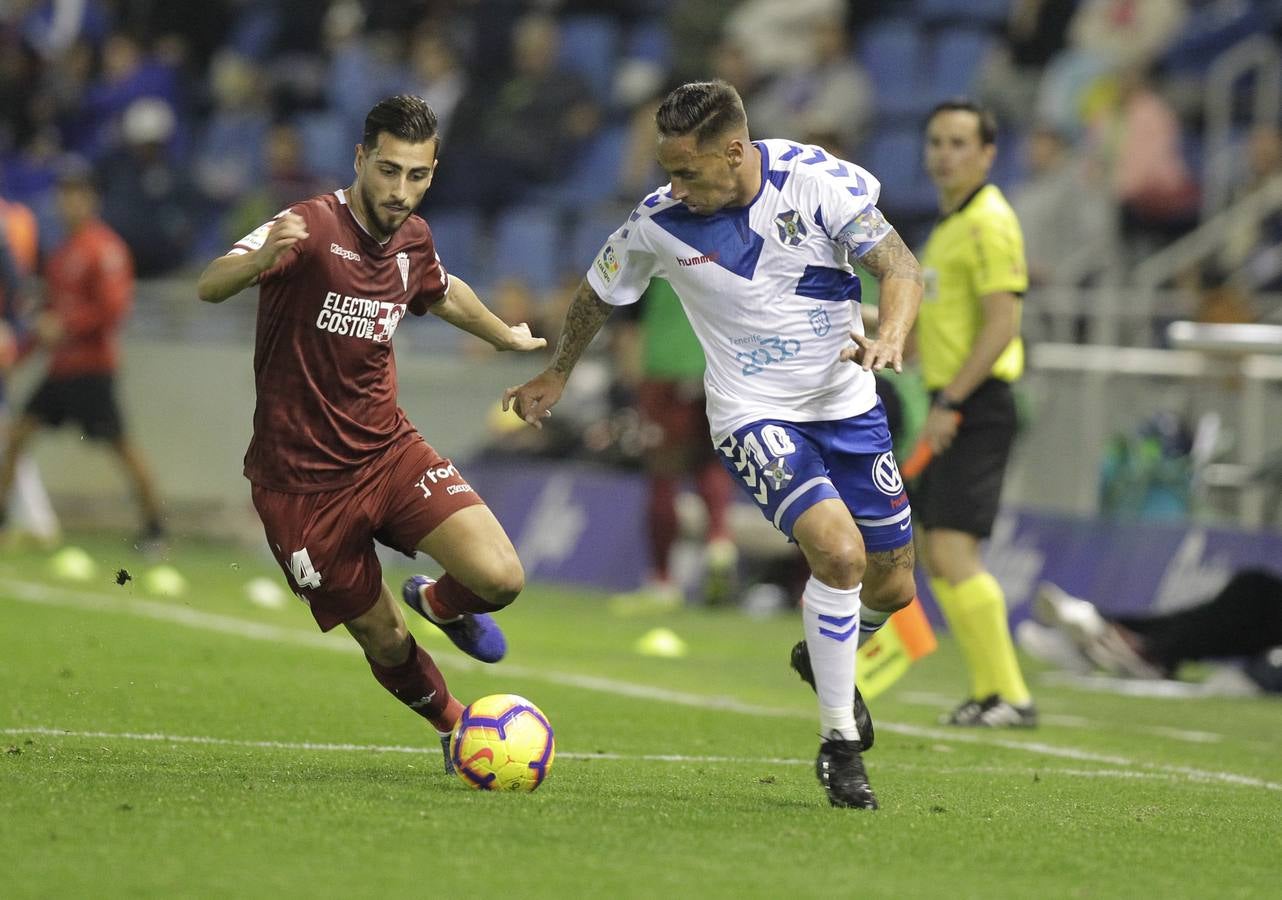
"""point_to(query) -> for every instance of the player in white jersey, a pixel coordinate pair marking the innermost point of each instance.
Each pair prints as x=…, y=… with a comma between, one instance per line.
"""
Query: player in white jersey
x=754, y=237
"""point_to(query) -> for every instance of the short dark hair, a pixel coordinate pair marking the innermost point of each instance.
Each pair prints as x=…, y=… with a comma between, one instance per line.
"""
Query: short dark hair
x=987, y=121
x=404, y=116
x=702, y=108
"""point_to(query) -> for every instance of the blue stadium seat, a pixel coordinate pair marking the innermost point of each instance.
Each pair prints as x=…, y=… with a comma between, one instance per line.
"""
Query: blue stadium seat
x=327, y=146
x=651, y=41
x=972, y=12
x=459, y=235
x=956, y=55
x=894, y=158
x=894, y=55
x=528, y=242
x=1213, y=28
x=595, y=175
x=1009, y=169
x=588, y=47
x=590, y=231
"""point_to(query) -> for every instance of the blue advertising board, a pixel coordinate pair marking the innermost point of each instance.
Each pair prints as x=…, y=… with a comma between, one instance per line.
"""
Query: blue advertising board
x=577, y=524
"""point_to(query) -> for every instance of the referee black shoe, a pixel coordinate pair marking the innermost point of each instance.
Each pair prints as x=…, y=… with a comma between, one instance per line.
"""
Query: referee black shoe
x=840, y=770
x=800, y=663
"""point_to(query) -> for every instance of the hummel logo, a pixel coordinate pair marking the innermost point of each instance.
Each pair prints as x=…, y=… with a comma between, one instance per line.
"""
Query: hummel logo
x=344, y=252
x=697, y=260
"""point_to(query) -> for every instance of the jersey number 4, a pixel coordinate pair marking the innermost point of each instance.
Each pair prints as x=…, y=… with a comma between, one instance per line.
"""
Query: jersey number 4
x=305, y=574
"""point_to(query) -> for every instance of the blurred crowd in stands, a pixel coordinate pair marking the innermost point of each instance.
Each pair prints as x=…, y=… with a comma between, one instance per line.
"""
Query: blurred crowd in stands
x=204, y=119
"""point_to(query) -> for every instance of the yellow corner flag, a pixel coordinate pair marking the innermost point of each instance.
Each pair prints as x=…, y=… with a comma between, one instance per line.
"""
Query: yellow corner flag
x=885, y=657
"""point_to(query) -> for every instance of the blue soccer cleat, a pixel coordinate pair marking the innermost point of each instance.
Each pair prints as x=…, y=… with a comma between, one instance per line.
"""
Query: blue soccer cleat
x=476, y=634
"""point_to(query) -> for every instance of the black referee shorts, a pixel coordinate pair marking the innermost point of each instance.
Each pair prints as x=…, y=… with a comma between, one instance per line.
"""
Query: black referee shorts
x=87, y=400
x=961, y=488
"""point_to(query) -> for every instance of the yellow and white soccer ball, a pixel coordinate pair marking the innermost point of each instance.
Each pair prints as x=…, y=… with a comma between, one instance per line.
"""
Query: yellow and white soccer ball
x=502, y=743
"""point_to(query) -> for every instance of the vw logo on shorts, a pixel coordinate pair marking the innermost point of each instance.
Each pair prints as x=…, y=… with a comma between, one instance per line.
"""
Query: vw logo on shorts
x=885, y=474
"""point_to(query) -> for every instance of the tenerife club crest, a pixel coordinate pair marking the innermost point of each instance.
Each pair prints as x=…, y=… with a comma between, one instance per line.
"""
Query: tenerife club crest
x=819, y=321
x=778, y=473
x=791, y=228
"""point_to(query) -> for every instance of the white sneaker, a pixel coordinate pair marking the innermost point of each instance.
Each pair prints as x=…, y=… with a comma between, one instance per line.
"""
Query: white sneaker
x=1051, y=646
x=1059, y=609
x=1096, y=637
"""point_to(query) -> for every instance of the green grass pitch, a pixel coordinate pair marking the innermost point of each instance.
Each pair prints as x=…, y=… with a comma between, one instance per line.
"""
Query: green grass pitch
x=203, y=746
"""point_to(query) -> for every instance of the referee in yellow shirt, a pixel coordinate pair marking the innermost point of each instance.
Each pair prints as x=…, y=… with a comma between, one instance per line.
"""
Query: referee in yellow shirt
x=971, y=351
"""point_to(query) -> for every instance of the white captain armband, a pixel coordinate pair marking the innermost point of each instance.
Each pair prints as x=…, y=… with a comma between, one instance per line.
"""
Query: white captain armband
x=864, y=232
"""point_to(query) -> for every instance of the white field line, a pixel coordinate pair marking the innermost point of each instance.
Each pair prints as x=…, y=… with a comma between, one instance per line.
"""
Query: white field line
x=48, y=595
x=312, y=746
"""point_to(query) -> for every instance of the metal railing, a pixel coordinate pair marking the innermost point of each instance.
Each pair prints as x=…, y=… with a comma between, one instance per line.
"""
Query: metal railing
x=1086, y=393
x=1256, y=55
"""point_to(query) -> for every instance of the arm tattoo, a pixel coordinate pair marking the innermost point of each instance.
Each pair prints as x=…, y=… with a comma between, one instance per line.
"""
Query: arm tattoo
x=891, y=258
x=586, y=315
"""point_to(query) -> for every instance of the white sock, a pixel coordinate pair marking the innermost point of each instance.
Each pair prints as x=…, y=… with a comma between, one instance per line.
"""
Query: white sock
x=831, y=619
x=870, y=622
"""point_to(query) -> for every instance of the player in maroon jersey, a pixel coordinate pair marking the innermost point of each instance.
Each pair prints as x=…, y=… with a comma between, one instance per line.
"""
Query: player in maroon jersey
x=334, y=463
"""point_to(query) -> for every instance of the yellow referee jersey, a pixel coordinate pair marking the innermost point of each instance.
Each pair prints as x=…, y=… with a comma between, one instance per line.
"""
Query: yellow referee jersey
x=972, y=252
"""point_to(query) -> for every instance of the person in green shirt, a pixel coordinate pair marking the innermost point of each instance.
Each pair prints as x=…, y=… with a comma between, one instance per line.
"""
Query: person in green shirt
x=663, y=357
x=970, y=352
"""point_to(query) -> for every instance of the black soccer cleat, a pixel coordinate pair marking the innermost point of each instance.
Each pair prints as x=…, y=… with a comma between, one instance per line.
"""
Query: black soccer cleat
x=964, y=714
x=999, y=713
x=800, y=662
x=840, y=770
x=991, y=712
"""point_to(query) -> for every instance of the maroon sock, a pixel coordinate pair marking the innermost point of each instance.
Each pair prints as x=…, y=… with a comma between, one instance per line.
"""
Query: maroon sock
x=716, y=488
x=419, y=684
x=449, y=599
x=663, y=523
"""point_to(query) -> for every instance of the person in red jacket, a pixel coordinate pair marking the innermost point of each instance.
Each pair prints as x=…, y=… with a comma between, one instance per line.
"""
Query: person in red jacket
x=32, y=514
x=89, y=288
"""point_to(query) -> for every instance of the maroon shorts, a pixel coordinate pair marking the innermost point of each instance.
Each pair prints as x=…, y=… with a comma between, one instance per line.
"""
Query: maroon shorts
x=675, y=412
x=325, y=541
x=675, y=419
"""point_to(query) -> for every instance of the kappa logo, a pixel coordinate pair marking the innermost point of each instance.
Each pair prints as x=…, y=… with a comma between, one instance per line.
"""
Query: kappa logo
x=344, y=253
x=423, y=702
x=885, y=475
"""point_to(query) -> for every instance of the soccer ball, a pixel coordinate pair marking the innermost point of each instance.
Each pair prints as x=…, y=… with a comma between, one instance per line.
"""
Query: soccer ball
x=502, y=743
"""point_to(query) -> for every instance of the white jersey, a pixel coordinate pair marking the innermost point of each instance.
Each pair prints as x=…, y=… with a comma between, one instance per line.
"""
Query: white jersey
x=767, y=287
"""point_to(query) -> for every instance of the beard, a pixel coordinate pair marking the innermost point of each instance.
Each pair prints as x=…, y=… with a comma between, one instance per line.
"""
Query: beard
x=380, y=216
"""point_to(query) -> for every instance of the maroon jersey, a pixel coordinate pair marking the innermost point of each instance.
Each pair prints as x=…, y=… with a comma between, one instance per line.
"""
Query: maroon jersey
x=324, y=368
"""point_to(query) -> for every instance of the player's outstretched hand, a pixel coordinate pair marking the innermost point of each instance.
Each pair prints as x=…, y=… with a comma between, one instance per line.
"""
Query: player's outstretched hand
x=521, y=339
x=288, y=229
x=873, y=355
x=533, y=401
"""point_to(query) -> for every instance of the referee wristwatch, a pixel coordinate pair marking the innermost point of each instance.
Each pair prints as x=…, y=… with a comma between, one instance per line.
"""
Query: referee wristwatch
x=942, y=401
